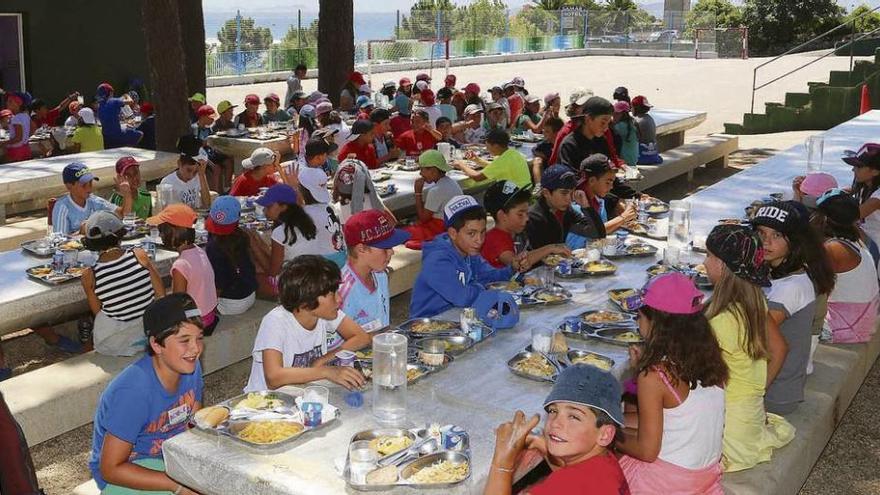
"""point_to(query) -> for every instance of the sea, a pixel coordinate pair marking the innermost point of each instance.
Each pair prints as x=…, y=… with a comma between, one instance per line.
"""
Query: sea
x=367, y=25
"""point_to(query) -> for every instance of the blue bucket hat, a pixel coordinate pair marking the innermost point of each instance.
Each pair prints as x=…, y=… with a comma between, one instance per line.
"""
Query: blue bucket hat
x=588, y=386
x=497, y=309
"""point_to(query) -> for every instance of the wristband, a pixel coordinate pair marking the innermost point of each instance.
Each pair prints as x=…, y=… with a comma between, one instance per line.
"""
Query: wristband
x=504, y=470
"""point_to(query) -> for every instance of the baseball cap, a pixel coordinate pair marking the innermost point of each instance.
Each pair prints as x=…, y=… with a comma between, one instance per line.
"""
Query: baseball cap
x=588, y=386
x=508, y=85
x=472, y=109
x=472, y=88
x=596, y=105
x=258, y=158
x=102, y=224
x=224, y=106
x=641, y=101
x=549, y=97
x=224, y=215
x=433, y=158
x=105, y=89
x=817, y=183
x=177, y=214
x=314, y=96
x=558, y=177
x=87, y=115
x=621, y=106
x=199, y=97
x=458, y=205
x=493, y=106
x=125, y=163
x=496, y=87
x=146, y=108
x=375, y=229
x=499, y=194
x=672, y=293
x=421, y=85
x=740, y=249
x=308, y=110
x=783, y=216
x=314, y=180
x=379, y=115
x=427, y=97
x=326, y=134
x=168, y=311
x=421, y=76
x=357, y=78
x=364, y=101
x=444, y=92
x=252, y=98
x=388, y=84
x=278, y=193
x=361, y=126
x=189, y=147
x=579, y=96
x=323, y=107
x=596, y=163
x=299, y=95
x=867, y=156
x=272, y=97
x=205, y=111
x=839, y=206
x=620, y=94
x=77, y=172
x=404, y=81
x=518, y=81
x=315, y=147
x=532, y=99
x=497, y=309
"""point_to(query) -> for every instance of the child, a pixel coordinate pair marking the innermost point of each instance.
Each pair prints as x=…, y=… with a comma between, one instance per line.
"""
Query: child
x=507, y=164
x=648, y=152
x=150, y=402
x=543, y=150
x=673, y=443
x=866, y=187
x=421, y=137
x=17, y=147
x=191, y=272
x=597, y=203
x=359, y=143
x=852, y=305
x=583, y=420
x=71, y=211
x=274, y=112
x=142, y=202
x=444, y=127
x=225, y=119
x=291, y=344
x=250, y=116
x=801, y=273
x=120, y=285
x=231, y=256
x=220, y=164
x=531, y=118
x=73, y=110
x=259, y=172
x=87, y=136
x=444, y=95
x=457, y=272
x=363, y=292
x=431, y=200
x=509, y=206
x=189, y=183
x=354, y=190
x=552, y=218
x=753, y=350
x=316, y=202
x=626, y=130
x=383, y=139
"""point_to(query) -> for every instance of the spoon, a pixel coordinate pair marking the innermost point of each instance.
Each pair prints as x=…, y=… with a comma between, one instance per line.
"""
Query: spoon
x=427, y=445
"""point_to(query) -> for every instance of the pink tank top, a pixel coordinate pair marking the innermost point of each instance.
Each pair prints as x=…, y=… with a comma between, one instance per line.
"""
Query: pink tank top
x=195, y=267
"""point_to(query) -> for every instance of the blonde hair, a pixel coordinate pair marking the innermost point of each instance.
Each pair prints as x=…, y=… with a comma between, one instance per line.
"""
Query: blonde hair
x=748, y=304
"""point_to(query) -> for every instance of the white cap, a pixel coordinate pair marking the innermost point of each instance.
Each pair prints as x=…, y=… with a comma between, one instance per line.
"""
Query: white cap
x=389, y=84
x=472, y=109
x=422, y=85
x=458, y=205
x=260, y=157
x=315, y=181
x=87, y=115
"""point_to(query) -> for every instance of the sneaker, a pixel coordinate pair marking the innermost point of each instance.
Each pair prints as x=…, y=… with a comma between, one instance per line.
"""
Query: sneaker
x=84, y=330
x=5, y=374
x=68, y=345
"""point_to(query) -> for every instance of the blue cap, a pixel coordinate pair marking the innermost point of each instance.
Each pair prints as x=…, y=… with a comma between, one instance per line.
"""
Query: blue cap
x=497, y=309
x=558, y=177
x=588, y=386
x=279, y=193
x=225, y=210
x=77, y=172
x=457, y=205
x=364, y=101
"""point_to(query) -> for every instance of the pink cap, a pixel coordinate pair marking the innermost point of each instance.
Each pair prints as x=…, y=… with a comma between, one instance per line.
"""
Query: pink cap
x=621, y=106
x=323, y=107
x=673, y=293
x=472, y=88
x=817, y=183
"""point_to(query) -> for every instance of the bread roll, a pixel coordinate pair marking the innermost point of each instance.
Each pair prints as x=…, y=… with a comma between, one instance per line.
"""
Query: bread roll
x=213, y=416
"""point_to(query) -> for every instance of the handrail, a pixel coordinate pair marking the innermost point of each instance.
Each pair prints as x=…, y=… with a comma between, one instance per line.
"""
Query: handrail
x=850, y=43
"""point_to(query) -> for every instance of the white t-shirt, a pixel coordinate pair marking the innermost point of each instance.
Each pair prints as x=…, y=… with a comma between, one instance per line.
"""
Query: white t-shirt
x=188, y=193
x=340, y=137
x=24, y=120
x=71, y=121
x=439, y=193
x=328, y=239
x=434, y=112
x=871, y=224
x=298, y=346
x=474, y=136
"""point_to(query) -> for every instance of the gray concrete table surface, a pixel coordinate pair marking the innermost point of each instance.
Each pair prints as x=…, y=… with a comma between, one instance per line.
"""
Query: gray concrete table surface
x=241, y=148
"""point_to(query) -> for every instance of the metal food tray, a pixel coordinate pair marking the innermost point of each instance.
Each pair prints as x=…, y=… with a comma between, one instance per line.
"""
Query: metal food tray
x=578, y=270
x=529, y=300
x=135, y=232
x=524, y=355
x=406, y=471
x=228, y=428
x=625, y=252
x=659, y=269
x=644, y=231
x=406, y=327
x=463, y=341
x=30, y=247
x=364, y=366
x=608, y=334
x=54, y=278
x=366, y=354
x=573, y=354
x=627, y=320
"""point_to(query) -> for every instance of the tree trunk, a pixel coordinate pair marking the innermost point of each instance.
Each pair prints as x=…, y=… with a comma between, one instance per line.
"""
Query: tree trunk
x=192, y=22
x=167, y=61
x=335, y=45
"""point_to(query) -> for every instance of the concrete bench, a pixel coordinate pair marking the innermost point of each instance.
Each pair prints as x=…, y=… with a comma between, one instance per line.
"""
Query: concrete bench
x=711, y=151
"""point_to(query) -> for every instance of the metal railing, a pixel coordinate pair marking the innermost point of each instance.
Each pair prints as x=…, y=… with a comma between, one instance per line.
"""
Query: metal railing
x=851, y=43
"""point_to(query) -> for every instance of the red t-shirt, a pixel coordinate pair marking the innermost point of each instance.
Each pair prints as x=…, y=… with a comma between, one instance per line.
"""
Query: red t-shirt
x=366, y=153
x=600, y=475
x=497, y=241
x=245, y=185
x=51, y=119
x=414, y=144
x=399, y=125
x=516, y=104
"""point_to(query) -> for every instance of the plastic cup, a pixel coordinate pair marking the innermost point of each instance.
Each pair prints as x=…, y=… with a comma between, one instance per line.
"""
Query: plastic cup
x=317, y=393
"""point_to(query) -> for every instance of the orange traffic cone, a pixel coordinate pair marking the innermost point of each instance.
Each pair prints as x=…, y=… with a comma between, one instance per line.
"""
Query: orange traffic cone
x=866, y=100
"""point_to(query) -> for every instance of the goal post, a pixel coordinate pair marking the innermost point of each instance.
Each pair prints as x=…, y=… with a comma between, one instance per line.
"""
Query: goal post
x=390, y=51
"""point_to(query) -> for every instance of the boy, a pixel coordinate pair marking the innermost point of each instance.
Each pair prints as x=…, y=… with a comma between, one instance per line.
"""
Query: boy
x=470, y=130
x=430, y=203
x=552, y=218
x=189, y=182
x=544, y=149
x=291, y=344
x=220, y=164
x=583, y=419
x=258, y=172
x=446, y=109
x=457, y=271
x=150, y=402
x=225, y=118
x=71, y=211
x=602, y=209
x=421, y=137
x=250, y=117
x=294, y=84
x=274, y=112
x=142, y=203
x=509, y=206
x=508, y=163
x=363, y=292
x=360, y=144
x=444, y=127
x=383, y=140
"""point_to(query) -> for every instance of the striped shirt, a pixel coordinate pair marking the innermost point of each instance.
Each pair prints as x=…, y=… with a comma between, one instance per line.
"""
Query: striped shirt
x=124, y=287
x=67, y=216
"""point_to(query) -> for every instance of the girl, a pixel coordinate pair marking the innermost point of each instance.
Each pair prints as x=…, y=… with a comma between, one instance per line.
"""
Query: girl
x=866, y=186
x=751, y=345
x=673, y=443
x=354, y=190
x=801, y=273
x=121, y=284
x=17, y=148
x=231, y=256
x=626, y=129
x=852, y=305
x=191, y=272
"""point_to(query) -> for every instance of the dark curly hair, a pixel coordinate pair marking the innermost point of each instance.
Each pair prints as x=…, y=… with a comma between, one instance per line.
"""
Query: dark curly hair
x=685, y=346
x=306, y=278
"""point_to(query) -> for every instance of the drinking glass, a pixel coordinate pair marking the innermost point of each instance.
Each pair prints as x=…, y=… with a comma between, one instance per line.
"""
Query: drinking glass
x=361, y=460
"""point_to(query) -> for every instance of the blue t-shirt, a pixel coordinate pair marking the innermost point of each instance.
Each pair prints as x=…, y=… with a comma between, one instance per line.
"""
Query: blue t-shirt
x=136, y=409
x=402, y=102
x=370, y=310
x=67, y=216
x=108, y=114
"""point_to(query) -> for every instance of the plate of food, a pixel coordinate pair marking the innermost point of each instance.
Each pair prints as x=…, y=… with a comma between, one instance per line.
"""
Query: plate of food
x=533, y=366
x=640, y=249
x=414, y=372
x=619, y=336
x=266, y=433
x=578, y=356
x=262, y=401
x=408, y=167
x=546, y=297
x=732, y=221
x=430, y=326
x=47, y=274
x=656, y=207
x=380, y=176
x=442, y=469
x=659, y=269
x=507, y=286
x=599, y=268
x=553, y=259
x=602, y=318
x=452, y=344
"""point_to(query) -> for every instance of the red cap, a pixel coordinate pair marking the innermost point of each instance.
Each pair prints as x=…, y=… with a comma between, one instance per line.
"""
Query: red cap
x=641, y=101
x=106, y=87
x=427, y=97
x=421, y=76
x=252, y=98
x=147, y=108
x=205, y=111
x=216, y=228
x=472, y=88
x=404, y=81
x=450, y=80
x=273, y=97
x=357, y=78
x=125, y=163
x=375, y=228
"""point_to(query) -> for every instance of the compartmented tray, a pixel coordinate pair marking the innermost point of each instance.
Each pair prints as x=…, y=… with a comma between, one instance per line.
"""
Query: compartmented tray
x=46, y=274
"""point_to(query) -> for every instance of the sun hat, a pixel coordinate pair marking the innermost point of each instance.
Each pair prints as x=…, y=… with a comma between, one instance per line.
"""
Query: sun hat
x=433, y=158
x=315, y=180
x=177, y=214
x=375, y=228
x=457, y=206
x=672, y=293
x=224, y=216
x=103, y=223
x=783, y=216
x=588, y=386
x=740, y=249
x=77, y=172
x=165, y=312
x=558, y=177
x=839, y=206
x=278, y=193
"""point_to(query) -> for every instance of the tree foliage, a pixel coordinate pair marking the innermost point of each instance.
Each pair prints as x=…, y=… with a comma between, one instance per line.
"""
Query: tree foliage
x=776, y=26
x=865, y=24
x=252, y=37
x=712, y=13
